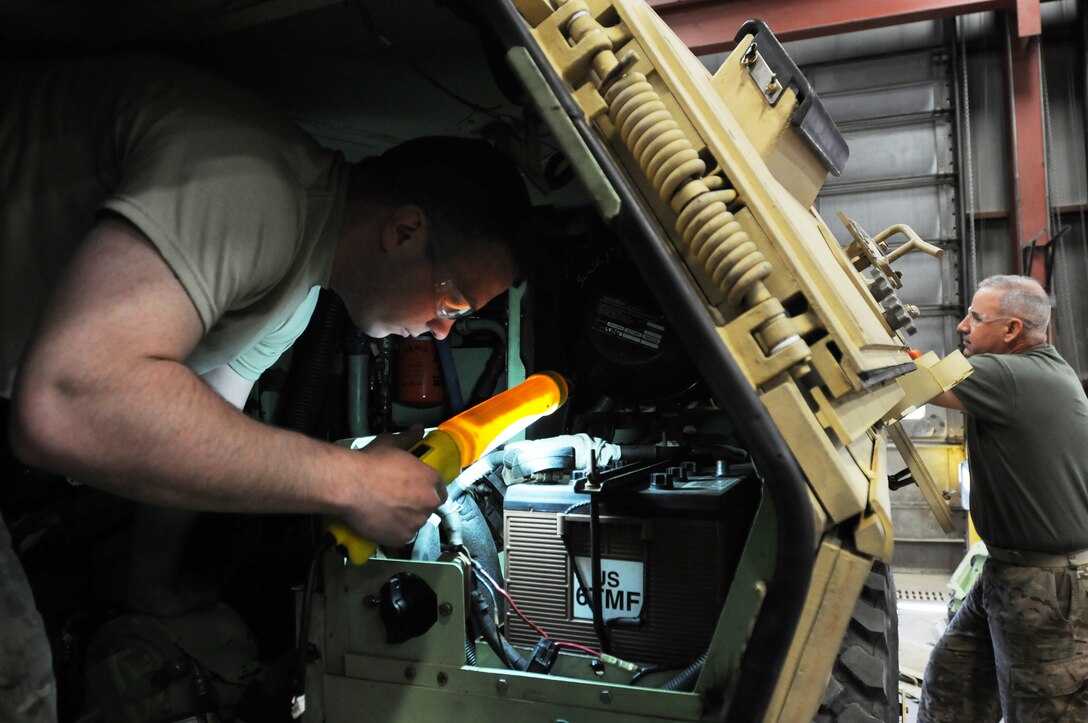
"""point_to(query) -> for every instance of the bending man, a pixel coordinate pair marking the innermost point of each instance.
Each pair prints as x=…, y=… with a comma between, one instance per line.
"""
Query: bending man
x=164, y=235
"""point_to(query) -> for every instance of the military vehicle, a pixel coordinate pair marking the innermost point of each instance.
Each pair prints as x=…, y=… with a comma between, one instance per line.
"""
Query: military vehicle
x=726, y=490
x=702, y=531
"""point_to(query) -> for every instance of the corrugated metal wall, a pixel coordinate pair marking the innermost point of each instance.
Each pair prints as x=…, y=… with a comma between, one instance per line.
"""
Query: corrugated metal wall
x=897, y=112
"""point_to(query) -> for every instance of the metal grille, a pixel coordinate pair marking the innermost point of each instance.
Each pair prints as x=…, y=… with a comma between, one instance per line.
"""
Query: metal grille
x=684, y=577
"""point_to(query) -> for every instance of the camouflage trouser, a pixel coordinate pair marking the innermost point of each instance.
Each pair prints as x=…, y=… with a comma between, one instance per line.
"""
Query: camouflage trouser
x=28, y=691
x=1017, y=647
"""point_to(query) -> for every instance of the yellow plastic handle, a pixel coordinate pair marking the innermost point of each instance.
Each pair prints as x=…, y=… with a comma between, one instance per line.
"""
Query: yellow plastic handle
x=436, y=450
x=464, y=438
x=357, y=549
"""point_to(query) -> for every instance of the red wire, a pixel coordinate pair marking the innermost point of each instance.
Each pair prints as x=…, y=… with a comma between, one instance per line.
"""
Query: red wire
x=521, y=615
x=576, y=646
x=530, y=623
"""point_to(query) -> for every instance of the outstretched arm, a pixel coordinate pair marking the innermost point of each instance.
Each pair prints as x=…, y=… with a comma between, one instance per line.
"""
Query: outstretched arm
x=948, y=400
x=103, y=396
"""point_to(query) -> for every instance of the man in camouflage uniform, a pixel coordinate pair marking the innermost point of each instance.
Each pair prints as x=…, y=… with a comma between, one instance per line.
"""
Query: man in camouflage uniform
x=1018, y=647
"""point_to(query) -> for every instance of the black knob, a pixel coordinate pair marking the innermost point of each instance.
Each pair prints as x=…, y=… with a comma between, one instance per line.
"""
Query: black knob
x=408, y=607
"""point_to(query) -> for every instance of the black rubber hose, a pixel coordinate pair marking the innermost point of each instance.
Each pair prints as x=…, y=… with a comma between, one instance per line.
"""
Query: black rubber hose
x=449, y=375
x=685, y=680
x=470, y=650
x=489, y=377
x=308, y=377
x=591, y=600
x=481, y=615
x=582, y=582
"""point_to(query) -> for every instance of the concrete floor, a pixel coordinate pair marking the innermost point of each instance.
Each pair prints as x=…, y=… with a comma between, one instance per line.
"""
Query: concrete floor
x=923, y=613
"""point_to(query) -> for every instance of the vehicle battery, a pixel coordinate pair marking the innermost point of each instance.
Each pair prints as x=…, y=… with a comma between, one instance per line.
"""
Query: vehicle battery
x=668, y=557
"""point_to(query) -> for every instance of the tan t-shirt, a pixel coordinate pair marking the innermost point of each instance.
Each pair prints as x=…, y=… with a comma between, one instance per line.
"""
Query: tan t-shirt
x=244, y=207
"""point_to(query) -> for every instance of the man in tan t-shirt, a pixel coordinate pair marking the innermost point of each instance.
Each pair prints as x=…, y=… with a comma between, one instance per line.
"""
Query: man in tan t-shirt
x=159, y=228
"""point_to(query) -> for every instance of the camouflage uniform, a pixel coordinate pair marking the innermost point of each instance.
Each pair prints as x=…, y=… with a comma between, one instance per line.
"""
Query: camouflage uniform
x=1018, y=644
x=27, y=689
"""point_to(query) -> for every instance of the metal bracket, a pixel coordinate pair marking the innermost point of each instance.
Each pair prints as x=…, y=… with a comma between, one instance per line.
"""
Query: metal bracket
x=762, y=74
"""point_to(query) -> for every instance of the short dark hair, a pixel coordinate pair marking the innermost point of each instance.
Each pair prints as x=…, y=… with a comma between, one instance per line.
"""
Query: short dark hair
x=473, y=195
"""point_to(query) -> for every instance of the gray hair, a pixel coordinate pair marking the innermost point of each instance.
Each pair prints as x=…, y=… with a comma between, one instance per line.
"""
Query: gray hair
x=1022, y=297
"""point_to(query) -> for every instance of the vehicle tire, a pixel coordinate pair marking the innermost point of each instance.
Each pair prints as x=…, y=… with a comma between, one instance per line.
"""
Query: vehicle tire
x=864, y=685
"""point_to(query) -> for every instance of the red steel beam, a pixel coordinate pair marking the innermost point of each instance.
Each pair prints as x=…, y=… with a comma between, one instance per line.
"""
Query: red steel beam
x=1028, y=183
x=708, y=26
x=1029, y=23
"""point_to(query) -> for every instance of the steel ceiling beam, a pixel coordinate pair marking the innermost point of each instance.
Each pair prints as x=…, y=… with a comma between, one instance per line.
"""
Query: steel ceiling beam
x=708, y=26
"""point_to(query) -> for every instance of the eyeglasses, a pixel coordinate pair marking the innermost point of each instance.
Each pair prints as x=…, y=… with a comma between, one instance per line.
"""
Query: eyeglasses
x=978, y=319
x=450, y=303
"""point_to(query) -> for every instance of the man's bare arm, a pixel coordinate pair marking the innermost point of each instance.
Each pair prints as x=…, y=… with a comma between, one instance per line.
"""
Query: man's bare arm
x=103, y=396
x=948, y=400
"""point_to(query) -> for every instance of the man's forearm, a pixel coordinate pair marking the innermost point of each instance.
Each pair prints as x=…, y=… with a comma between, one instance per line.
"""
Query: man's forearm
x=948, y=400
x=162, y=436
x=165, y=438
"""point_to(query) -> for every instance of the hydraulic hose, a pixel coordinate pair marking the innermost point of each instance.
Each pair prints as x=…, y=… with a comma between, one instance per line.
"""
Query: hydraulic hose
x=685, y=680
x=496, y=361
x=309, y=374
x=470, y=650
x=481, y=615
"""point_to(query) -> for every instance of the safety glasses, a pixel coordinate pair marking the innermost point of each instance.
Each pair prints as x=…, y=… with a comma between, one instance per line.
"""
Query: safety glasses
x=450, y=303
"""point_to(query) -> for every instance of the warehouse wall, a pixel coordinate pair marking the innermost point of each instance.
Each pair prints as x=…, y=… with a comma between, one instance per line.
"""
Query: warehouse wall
x=983, y=43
